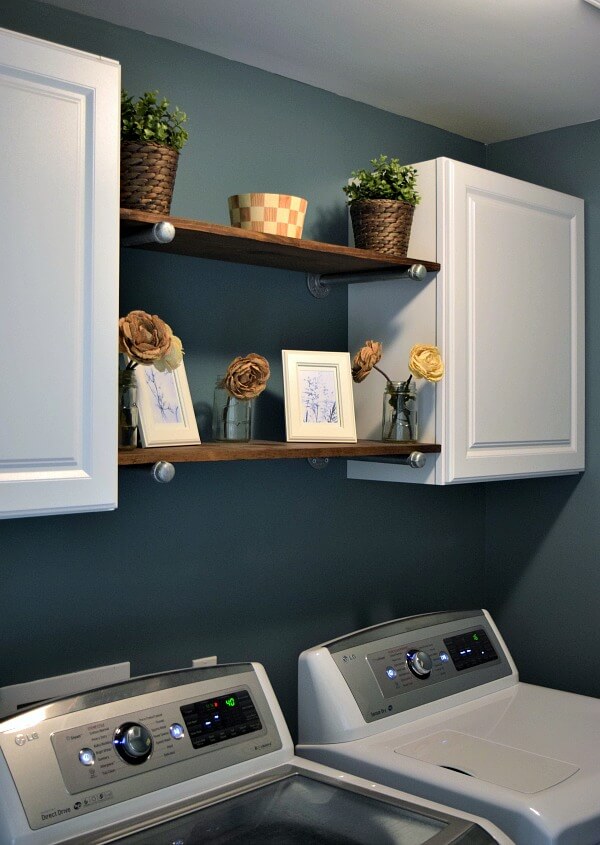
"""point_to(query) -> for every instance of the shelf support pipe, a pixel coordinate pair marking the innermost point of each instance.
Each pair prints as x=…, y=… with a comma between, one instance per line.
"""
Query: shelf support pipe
x=163, y=472
x=416, y=460
x=320, y=285
x=159, y=233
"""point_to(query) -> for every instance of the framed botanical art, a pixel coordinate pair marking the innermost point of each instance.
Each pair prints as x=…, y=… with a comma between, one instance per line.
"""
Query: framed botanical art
x=319, y=405
x=166, y=413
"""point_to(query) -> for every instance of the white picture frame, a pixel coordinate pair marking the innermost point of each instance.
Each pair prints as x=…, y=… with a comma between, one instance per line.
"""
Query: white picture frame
x=319, y=403
x=166, y=412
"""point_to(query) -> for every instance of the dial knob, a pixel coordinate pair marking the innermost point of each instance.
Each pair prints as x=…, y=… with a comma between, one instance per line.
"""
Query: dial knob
x=133, y=742
x=419, y=663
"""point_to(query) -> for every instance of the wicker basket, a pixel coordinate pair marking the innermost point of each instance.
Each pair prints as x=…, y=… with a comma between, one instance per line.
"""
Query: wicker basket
x=382, y=225
x=147, y=176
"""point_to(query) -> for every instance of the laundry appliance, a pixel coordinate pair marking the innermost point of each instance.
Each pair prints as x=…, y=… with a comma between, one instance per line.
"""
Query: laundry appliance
x=433, y=704
x=190, y=757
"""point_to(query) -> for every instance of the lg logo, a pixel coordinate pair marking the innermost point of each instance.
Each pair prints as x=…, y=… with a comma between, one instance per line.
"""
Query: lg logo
x=22, y=739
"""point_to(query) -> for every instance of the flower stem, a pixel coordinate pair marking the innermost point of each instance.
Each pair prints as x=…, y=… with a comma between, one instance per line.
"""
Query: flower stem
x=375, y=367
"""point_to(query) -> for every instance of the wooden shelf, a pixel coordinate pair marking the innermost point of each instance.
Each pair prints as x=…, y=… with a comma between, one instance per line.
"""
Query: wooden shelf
x=226, y=243
x=261, y=450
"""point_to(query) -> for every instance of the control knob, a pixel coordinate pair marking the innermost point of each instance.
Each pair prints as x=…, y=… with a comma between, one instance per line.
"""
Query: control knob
x=133, y=743
x=419, y=663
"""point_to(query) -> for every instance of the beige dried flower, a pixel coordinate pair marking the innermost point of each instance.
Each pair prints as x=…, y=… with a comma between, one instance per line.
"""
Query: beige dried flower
x=173, y=358
x=143, y=337
x=247, y=377
x=365, y=359
x=426, y=362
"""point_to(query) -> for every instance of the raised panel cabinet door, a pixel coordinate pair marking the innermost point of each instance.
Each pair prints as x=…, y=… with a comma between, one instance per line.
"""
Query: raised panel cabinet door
x=512, y=286
x=59, y=212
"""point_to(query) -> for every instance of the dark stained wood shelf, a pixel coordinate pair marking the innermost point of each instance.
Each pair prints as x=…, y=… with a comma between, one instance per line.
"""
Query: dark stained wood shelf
x=260, y=450
x=227, y=243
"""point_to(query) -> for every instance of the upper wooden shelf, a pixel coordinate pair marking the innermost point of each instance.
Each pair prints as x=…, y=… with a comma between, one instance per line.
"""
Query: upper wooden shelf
x=227, y=243
x=260, y=450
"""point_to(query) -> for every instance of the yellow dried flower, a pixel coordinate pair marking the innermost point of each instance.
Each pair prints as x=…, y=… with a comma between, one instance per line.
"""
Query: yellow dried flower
x=247, y=377
x=173, y=358
x=365, y=359
x=426, y=362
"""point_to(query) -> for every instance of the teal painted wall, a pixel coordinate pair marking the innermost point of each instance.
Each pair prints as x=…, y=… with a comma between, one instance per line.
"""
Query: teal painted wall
x=543, y=549
x=248, y=561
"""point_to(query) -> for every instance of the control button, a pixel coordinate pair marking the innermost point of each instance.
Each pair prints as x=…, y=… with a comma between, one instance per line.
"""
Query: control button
x=176, y=730
x=391, y=672
x=444, y=656
x=87, y=757
x=133, y=743
x=419, y=663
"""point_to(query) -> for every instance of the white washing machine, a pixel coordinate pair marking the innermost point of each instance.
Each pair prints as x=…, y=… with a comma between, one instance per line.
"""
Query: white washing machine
x=194, y=757
x=433, y=705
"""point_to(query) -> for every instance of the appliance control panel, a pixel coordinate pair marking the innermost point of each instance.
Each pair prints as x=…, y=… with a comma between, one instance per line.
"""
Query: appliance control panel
x=399, y=665
x=81, y=753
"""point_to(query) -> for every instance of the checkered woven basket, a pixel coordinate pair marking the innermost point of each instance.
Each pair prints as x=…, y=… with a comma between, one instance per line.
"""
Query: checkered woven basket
x=275, y=214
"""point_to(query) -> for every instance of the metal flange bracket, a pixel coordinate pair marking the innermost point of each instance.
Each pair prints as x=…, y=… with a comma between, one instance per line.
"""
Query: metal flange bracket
x=320, y=285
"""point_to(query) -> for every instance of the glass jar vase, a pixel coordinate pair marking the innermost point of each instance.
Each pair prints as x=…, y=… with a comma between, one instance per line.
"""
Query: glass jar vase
x=232, y=418
x=399, y=420
x=128, y=410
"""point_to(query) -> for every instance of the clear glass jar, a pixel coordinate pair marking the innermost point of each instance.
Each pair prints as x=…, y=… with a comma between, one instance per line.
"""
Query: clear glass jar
x=128, y=410
x=232, y=418
x=399, y=420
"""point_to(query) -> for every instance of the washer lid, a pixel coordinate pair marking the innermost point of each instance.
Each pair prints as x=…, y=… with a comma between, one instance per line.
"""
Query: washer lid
x=299, y=809
x=499, y=764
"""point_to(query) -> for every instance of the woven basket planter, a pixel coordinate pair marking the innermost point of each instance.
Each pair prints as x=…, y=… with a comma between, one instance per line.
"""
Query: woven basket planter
x=382, y=225
x=147, y=176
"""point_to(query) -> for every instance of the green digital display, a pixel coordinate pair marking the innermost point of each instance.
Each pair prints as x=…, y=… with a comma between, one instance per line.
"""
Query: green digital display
x=476, y=638
x=220, y=718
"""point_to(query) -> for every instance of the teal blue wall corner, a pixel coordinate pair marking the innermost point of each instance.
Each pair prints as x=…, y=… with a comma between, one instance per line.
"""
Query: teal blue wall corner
x=255, y=560
x=542, y=539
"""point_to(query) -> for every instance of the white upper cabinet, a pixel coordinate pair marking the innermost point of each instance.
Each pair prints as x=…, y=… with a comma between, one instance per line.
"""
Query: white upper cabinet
x=506, y=310
x=59, y=218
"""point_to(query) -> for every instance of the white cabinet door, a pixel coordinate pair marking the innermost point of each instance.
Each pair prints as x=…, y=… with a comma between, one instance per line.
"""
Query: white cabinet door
x=59, y=179
x=507, y=311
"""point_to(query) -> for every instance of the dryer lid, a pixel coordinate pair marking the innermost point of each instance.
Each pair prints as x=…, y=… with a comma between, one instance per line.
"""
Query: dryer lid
x=493, y=762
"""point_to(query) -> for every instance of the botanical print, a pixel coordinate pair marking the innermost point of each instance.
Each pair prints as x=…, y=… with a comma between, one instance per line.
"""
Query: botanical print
x=164, y=396
x=318, y=395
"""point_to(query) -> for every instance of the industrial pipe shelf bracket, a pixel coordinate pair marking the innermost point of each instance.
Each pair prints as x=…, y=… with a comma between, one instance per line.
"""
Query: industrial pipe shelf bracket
x=159, y=233
x=163, y=472
x=320, y=285
x=318, y=463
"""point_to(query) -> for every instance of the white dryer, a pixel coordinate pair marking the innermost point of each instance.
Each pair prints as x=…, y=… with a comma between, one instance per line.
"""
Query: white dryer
x=194, y=757
x=433, y=705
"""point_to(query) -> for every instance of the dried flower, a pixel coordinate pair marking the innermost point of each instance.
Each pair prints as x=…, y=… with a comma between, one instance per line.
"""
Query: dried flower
x=423, y=362
x=247, y=377
x=147, y=340
x=365, y=359
x=173, y=358
x=426, y=362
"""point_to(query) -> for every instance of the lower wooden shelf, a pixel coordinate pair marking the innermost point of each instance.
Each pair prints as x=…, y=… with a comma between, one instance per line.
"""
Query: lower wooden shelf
x=267, y=450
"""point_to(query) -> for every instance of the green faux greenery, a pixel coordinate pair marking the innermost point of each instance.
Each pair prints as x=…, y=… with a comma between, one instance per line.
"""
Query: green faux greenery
x=149, y=120
x=389, y=180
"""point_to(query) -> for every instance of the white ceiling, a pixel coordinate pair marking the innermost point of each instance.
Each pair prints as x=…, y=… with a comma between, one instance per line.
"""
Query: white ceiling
x=486, y=69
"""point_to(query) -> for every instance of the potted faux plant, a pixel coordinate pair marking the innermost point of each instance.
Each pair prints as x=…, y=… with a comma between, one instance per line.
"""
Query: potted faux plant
x=382, y=203
x=151, y=138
